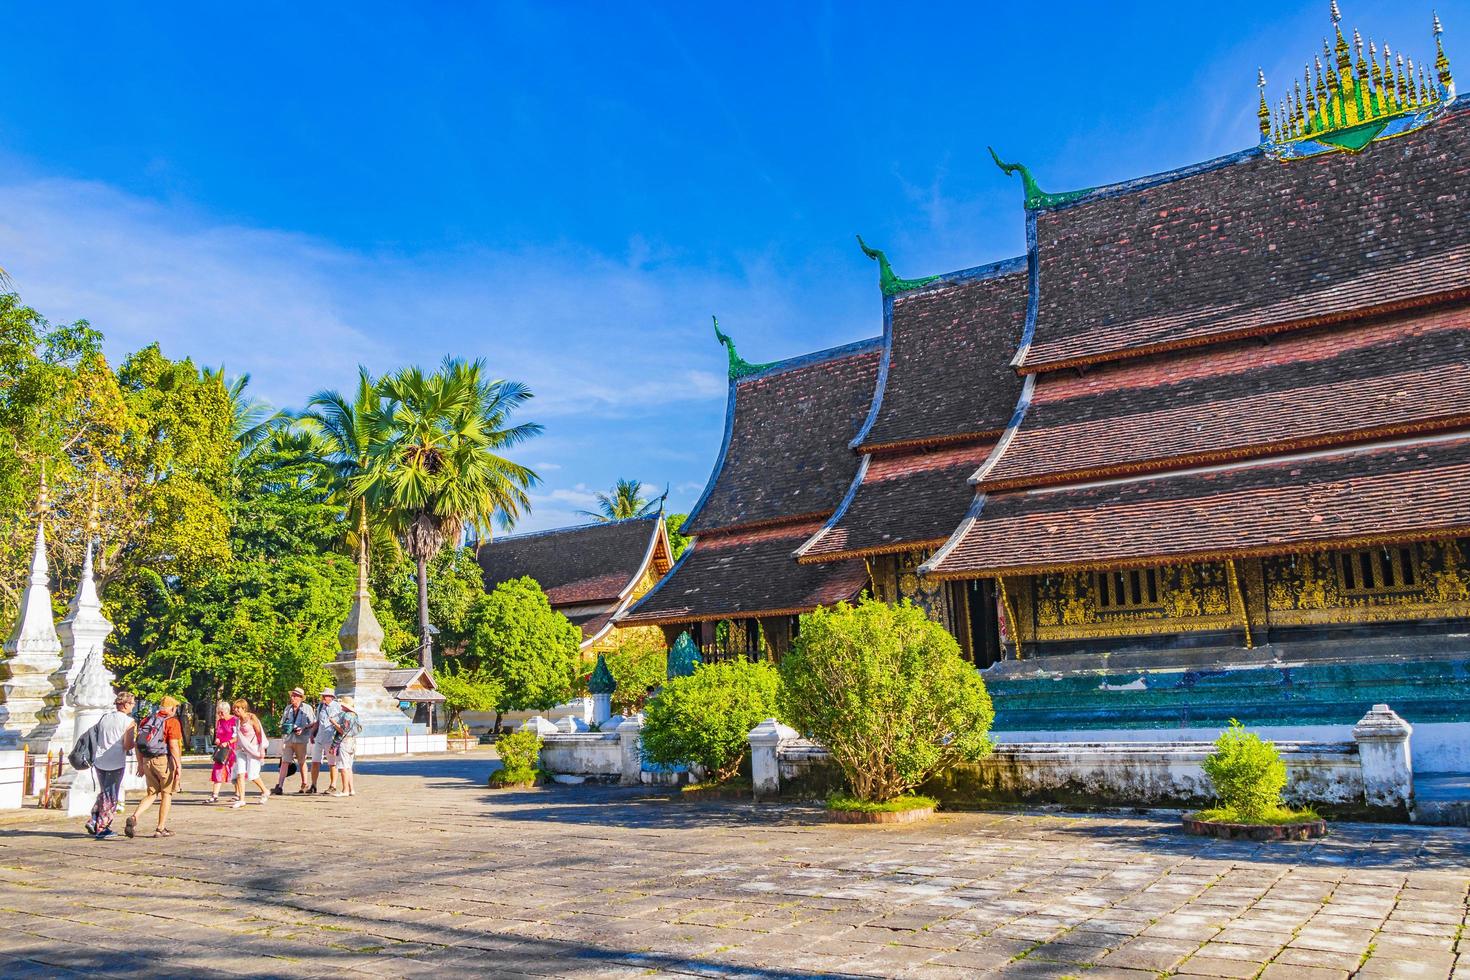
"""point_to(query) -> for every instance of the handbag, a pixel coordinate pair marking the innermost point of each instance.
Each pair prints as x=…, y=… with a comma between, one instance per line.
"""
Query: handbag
x=221, y=754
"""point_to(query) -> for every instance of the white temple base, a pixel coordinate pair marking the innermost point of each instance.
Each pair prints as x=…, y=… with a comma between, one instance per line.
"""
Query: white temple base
x=12, y=789
x=385, y=745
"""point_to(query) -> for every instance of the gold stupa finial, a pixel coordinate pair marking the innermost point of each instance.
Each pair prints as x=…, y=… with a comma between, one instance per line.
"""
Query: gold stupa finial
x=43, y=495
x=1264, y=112
x=94, y=515
x=362, y=549
x=1442, y=63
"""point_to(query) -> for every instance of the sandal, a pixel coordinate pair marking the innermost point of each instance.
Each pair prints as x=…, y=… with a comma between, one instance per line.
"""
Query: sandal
x=131, y=826
x=163, y=832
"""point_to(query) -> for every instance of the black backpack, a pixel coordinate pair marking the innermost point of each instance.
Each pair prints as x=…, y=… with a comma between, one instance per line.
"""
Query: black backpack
x=84, y=753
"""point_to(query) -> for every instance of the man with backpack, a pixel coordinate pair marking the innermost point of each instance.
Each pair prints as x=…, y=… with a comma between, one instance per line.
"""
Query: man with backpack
x=297, y=724
x=160, y=750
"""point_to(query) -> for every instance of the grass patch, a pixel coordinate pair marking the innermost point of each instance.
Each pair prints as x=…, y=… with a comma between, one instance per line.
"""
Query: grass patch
x=733, y=783
x=1272, y=817
x=841, y=801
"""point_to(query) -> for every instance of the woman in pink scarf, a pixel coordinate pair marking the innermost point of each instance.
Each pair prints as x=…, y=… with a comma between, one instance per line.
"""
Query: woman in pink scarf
x=224, y=737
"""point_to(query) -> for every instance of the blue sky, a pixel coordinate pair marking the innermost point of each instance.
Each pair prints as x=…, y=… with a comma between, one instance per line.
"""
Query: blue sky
x=570, y=190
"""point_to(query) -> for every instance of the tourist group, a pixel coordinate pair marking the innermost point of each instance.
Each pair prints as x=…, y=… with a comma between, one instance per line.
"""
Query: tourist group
x=326, y=733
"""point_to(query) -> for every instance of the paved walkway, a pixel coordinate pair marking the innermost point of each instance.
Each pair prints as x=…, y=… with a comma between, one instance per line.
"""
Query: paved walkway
x=427, y=872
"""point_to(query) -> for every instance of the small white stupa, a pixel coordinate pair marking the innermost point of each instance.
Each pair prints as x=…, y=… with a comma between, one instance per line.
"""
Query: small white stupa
x=32, y=656
x=83, y=631
x=90, y=698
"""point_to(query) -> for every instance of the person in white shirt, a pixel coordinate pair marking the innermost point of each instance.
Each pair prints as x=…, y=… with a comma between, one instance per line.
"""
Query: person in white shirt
x=117, y=733
x=327, y=717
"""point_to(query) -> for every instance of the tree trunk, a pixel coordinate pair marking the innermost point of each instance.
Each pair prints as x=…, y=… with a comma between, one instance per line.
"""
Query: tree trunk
x=426, y=649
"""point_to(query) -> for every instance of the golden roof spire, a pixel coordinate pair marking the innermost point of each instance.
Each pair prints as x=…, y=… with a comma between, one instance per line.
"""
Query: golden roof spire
x=94, y=517
x=1442, y=63
x=1264, y=112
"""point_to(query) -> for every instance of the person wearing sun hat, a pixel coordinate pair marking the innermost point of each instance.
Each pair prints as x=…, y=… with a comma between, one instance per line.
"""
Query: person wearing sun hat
x=344, y=745
x=321, y=740
x=296, y=723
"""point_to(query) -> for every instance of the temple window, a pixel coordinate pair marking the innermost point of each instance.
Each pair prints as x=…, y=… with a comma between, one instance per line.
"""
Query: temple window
x=1121, y=590
x=1374, y=571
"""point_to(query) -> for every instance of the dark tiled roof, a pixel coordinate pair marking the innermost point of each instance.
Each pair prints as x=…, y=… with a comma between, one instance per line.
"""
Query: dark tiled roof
x=590, y=563
x=907, y=498
x=787, y=452
x=1255, y=244
x=1386, y=491
x=591, y=623
x=1310, y=388
x=747, y=573
x=948, y=373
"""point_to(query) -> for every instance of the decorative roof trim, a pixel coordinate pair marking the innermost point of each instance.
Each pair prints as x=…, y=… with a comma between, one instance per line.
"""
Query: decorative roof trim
x=889, y=283
x=768, y=524
x=927, y=442
x=660, y=533
x=672, y=620
x=977, y=507
x=618, y=617
x=1036, y=198
x=887, y=549
x=739, y=366
x=852, y=490
x=524, y=535
x=931, y=570
x=979, y=273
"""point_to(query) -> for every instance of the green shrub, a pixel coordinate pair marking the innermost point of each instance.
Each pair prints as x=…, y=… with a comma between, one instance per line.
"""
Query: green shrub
x=841, y=801
x=519, y=757
x=706, y=718
x=886, y=691
x=1247, y=773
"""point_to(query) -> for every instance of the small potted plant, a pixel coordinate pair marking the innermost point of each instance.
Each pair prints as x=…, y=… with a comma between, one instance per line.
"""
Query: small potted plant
x=519, y=760
x=1248, y=776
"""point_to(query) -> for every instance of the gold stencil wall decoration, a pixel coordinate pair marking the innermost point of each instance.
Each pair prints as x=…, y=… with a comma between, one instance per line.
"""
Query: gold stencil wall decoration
x=1381, y=583
x=1163, y=599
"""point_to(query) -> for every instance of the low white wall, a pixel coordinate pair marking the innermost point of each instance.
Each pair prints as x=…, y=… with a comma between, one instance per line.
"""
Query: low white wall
x=1439, y=747
x=583, y=754
x=480, y=722
x=12, y=762
x=381, y=745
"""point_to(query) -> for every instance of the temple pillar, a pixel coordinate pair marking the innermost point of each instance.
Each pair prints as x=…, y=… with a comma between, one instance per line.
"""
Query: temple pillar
x=765, y=757
x=630, y=737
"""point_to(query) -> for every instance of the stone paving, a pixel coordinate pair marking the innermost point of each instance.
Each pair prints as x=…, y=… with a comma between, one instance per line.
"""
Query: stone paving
x=428, y=872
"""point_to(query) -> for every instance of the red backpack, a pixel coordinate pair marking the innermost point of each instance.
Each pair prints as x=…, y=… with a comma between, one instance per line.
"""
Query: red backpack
x=153, y=736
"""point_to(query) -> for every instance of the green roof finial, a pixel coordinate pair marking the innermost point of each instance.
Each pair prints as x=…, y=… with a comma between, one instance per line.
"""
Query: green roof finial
x=683, y=658
x=739, y=366
x=1035, y=196
x=601, y=681
x=887, y=281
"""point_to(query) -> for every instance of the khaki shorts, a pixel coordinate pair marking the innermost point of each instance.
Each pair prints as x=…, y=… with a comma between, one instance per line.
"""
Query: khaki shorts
x=159, y=776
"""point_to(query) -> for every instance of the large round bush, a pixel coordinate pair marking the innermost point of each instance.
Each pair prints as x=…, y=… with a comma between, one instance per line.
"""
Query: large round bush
x=705, y=718
x=885, y=690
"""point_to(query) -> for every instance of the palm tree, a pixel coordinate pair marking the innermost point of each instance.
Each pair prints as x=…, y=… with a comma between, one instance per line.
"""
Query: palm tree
x=625, y=501
x=252, y=422
x=339, y=432
x=434, y=463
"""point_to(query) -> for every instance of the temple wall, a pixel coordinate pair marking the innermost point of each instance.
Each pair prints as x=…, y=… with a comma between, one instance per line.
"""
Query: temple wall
x=1243, y=603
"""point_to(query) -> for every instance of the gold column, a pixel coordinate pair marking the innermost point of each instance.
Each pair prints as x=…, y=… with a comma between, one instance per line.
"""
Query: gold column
x=1245, y=619
x=1012, y=625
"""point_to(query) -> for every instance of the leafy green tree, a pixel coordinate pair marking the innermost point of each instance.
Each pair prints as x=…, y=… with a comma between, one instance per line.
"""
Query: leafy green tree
x=706, y=718
x=468, y=690
x=518, y=639
x=435, y=464
x=885, y=689
x=1248, y=775
x=626, y=501
x=637, y=664
x=678, y=541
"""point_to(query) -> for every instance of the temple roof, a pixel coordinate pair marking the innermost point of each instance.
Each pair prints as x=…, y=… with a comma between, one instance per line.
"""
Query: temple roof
x=1347, y=496
x=1398, y=374
x=746, y=573
x=586, y=564
x=902, y=500
x=946, y=371
x=787, y=428
x=1251, y=244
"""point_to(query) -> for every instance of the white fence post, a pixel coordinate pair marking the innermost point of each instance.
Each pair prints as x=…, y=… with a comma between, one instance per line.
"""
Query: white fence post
x=1383, y=752
x=630, y=734
x=765, y=761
